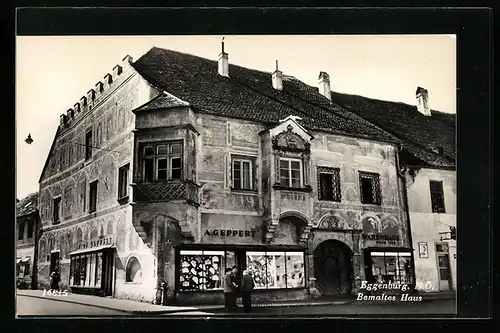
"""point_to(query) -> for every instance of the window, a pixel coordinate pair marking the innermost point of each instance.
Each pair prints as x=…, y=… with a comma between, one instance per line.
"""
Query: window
x=93, y=197
x=370, y=188
x=123, y=181
x=329, y=184
x=88, y=145
x=133, y=271
x=437, y=196
x=57, y=210
x=85, y=270
x=242, y=174
x=203, y=270
x=161, y=161
x=30, y=229
x=20, y=236
x=391, y=267
x=276, y=269
x=291, y=172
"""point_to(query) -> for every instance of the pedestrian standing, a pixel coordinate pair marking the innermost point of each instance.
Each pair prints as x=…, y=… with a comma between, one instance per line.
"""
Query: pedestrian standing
x=247, y=286
x=235, y=284
x=54, y=281
x=228, y=290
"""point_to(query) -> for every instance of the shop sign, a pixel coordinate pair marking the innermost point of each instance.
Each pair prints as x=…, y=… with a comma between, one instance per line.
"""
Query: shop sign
x=95, y=243
x=382, y=239
x=230, y=233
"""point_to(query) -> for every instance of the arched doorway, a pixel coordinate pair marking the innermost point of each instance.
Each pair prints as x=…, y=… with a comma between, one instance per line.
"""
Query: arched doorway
x=333, y=268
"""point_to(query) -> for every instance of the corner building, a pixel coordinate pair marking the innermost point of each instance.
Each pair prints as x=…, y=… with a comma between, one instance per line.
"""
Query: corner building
x=226, y=166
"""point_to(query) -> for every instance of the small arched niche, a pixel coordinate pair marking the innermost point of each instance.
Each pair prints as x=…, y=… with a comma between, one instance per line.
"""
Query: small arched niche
x=133, y=271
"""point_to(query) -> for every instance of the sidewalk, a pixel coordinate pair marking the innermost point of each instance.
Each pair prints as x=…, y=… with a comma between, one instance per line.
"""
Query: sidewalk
x=134, y=307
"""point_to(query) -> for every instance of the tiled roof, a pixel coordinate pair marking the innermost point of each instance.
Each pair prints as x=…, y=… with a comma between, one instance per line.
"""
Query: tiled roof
x=27, y=205
x=162, y=101
x=248, y=94
x=421, y=134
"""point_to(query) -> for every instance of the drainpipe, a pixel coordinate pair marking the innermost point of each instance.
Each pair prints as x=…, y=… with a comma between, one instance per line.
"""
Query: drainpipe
x=402, y=181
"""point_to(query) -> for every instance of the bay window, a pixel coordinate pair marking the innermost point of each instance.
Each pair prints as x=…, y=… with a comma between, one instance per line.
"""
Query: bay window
x=161, y=161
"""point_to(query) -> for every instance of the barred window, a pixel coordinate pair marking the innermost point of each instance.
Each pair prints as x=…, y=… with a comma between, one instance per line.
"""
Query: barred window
x=370, y=188
x=329, y=184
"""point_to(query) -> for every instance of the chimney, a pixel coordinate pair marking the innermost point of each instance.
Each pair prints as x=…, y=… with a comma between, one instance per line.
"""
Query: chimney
x=324, y=85
x=277, y=78
x=422, y=96
x=223, y=62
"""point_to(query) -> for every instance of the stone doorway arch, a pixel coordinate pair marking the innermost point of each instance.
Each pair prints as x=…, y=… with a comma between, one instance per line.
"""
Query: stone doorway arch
x=333, y=267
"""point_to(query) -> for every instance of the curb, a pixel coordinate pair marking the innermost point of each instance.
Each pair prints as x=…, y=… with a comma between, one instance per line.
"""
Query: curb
x=220, y=307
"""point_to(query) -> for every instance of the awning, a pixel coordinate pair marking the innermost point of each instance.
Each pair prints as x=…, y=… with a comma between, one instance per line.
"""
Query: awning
x=249, y=247
x=26, y=259
x=92, y=249
x=18, y=260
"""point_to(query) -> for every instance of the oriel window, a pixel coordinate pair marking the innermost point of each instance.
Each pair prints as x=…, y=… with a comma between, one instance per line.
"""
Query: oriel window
x=291, y=172
x=329, y=184
x=437, y=196
x=370, y=188
x=161, y=161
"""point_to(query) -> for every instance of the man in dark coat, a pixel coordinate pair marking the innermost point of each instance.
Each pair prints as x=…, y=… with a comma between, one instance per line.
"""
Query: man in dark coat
x=247, y=286
x=235, y=284
x=228, y=290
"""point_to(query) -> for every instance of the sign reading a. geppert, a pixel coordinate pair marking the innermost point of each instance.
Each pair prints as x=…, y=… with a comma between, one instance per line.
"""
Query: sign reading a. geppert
x=230, y=233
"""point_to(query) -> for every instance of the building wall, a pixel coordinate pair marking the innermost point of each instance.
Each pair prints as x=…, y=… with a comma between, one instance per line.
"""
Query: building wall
x=67, y=174
x=426, y=225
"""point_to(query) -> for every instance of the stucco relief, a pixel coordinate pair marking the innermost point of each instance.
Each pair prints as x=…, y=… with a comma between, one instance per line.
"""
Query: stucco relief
x=45, y=205
x=68, y=197
x=244, y=133
x=353, y=218
x=120, y=235
x=350, y=175
x=389, y=225
x=110, y=225
x=79, y=235
x=332, y=221
x=287, y=232
x=235, y=201
x=371, y=223
x=350, y=193
x=210, y=195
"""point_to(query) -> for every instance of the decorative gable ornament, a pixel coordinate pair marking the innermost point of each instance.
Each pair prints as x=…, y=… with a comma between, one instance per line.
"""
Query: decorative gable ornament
x=332, y=222
x=290, y=141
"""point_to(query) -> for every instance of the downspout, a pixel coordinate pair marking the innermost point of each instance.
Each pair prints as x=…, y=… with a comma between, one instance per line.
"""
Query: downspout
x=402, y=181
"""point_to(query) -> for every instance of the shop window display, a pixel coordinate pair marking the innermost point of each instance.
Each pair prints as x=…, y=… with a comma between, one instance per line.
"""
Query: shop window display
x=85, y=270
x=391, y=267
x=202, y=270
x=276, y=269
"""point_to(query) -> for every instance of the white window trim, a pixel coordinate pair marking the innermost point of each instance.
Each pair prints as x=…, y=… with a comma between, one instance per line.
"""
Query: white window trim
x=242, y=160
x=290, y=170
x=156, y=169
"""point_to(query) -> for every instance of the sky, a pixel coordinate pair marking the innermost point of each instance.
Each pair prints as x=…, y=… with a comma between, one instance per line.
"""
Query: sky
x=53, y=72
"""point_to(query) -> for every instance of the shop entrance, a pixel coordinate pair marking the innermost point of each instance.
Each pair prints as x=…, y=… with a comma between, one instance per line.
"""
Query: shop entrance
x=333, y=268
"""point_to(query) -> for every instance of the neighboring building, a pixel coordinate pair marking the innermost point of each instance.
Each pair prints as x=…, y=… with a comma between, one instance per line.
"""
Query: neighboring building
x=428, y=160
x=27, y=233
x=228, y=166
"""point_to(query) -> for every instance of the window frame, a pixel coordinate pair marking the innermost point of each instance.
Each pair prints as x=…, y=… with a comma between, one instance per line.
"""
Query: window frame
x=241, y=187
x=301, y=166
x=123, y=185
x=442, y=208
x=89, y=147
x=273, y=253
x=83, y=263
x=393, y=254
x=57, y=200
x=169, y=156
x=335, y=174
x=376, y=198
x=93, y=198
